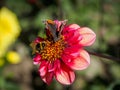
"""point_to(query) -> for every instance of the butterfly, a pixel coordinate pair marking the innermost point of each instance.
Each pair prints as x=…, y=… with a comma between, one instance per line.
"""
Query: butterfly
x=54, y=29
x=53, y=33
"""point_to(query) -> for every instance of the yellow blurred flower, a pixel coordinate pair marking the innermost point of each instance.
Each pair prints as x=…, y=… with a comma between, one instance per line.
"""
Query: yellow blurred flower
x=2, y=61
x=9, y=29
x=13, y=57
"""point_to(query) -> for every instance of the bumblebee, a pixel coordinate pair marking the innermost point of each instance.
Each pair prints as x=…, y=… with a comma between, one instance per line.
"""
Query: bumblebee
x=40, y=46
x=37, y=47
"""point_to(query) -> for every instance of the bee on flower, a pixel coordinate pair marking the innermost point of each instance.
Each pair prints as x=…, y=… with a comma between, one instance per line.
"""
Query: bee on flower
x=62, y=51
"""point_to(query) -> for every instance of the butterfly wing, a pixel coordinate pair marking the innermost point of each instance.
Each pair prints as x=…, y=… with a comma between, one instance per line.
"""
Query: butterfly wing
x=51, y=30
x=54, y=29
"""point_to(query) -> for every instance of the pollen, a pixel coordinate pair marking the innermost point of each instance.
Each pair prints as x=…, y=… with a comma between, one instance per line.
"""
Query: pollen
x=53, y=50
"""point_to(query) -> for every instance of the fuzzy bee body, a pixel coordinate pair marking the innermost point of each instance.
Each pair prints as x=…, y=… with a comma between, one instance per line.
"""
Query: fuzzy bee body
x=40, y=46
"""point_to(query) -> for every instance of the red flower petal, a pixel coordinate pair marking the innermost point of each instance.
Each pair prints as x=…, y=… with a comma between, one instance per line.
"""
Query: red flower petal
x=38, y=39
x=48, y=77
x=80, y=62
x=43, y=68
x=45, y=75
x=47, y=70
x=73, y=38
x=64, y=74
x=36, y=59
x=73, y=50
x=88, y=36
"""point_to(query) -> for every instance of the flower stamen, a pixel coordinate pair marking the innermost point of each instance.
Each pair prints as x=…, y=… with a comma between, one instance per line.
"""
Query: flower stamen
x=53, y=51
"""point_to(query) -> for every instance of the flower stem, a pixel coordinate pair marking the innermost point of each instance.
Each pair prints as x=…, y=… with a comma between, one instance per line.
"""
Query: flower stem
x=105, y=56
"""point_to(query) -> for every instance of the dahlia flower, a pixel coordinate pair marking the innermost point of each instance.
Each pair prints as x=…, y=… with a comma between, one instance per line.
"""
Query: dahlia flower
x=62, y=51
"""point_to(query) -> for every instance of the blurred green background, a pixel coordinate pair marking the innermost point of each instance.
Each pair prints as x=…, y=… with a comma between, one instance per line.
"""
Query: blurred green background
x=16, y=69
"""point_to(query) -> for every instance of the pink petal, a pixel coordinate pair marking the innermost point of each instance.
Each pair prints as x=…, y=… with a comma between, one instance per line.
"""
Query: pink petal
x=74, y=26
x=36, y=59
x=70, y=28
x=88, y=36
x=64, y=74
x=80, y=62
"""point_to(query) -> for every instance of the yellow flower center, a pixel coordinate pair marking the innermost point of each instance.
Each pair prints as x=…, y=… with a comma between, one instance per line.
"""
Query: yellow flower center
x=53, y=51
